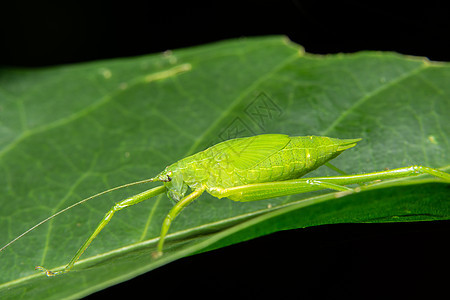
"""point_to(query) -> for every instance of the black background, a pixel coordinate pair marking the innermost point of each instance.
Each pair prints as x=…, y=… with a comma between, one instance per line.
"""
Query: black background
x=37, y=33
x=361, y=260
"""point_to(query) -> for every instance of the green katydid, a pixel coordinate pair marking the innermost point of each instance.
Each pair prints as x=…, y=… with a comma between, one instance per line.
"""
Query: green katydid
x=245, y=169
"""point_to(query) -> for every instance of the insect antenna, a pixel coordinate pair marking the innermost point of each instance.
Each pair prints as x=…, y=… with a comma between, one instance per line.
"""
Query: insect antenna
x=76, y=204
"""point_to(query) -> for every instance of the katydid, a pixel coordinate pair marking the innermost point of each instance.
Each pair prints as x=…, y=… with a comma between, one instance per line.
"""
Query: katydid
x=246, y=169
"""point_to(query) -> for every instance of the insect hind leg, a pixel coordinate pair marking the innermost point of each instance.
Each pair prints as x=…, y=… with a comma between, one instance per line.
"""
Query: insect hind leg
x=259, y=191
x=328, y=185
x=431, y=171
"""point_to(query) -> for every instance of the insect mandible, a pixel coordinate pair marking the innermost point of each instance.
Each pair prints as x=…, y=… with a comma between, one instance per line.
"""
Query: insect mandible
x=245, y=169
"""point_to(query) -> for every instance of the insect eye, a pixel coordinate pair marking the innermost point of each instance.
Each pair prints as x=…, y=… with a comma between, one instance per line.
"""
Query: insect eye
x=168, y=178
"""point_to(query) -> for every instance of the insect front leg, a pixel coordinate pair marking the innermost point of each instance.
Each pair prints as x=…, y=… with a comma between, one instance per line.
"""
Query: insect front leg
x=119, y=206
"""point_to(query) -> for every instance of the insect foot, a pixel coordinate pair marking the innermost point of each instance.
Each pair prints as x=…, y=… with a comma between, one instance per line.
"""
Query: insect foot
x=157, y=254
x=345, y=193
x=46, y=271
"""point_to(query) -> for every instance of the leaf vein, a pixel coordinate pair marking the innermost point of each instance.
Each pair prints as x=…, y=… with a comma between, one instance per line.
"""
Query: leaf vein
x=371, y=95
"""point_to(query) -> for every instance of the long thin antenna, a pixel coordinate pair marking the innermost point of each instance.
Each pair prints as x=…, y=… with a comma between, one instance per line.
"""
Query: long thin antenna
x=73, y=205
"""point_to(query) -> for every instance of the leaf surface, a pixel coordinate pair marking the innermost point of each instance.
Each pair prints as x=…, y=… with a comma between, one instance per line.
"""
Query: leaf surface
x=72, y=131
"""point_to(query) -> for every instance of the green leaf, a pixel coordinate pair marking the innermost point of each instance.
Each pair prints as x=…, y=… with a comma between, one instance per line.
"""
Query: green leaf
x=72, y=131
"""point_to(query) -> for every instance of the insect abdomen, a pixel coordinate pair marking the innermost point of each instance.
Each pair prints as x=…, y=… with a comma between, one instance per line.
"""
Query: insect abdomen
x=300, y=156
x=241, y=161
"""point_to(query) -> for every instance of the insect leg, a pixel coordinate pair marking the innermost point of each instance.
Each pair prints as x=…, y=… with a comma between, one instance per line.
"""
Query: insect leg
x=334, y=168
x=176, y=209
x=259, y=191
x=122, y=204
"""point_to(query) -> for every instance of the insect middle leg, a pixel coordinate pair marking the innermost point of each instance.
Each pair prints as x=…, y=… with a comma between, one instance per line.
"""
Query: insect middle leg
x=176, y=209
x=119, y=206
x=259, y=191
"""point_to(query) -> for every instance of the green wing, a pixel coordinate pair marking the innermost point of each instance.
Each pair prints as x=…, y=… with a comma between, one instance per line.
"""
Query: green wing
x=245, y=153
